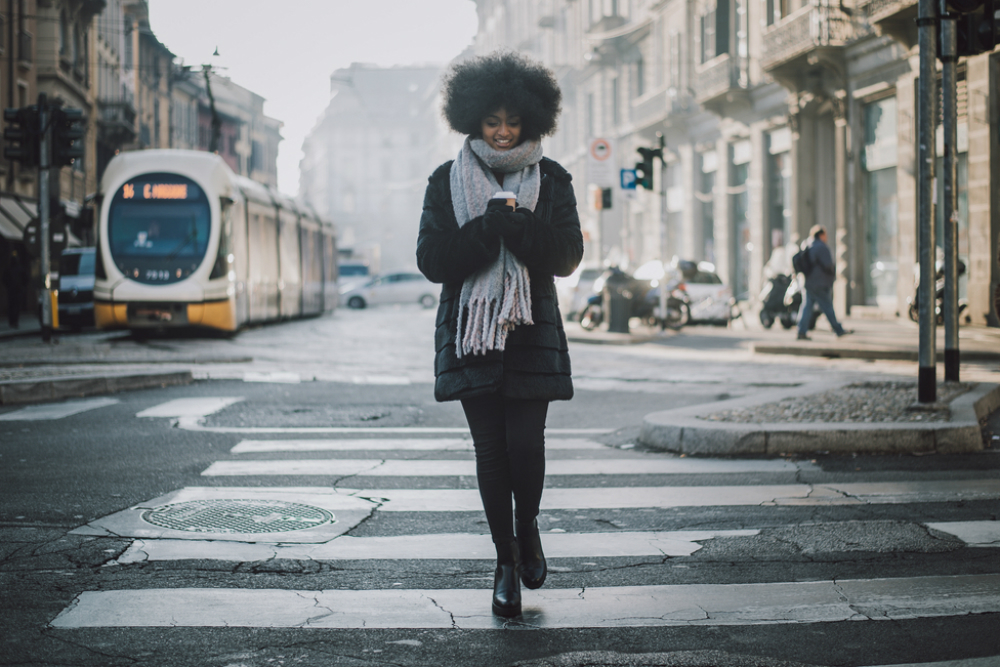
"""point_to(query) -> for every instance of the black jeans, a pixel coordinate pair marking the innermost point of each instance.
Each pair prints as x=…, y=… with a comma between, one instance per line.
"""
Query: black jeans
x=509, y=437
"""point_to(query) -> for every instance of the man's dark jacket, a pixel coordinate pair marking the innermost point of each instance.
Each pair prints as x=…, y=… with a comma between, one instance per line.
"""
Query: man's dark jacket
x=535, y=362
x=821, y=275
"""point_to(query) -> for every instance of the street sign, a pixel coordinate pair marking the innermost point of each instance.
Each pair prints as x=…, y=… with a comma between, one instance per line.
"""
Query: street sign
x=628, y=179
x=601, y=168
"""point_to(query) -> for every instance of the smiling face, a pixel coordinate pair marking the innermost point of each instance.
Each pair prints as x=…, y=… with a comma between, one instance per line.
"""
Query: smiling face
x=502, y=131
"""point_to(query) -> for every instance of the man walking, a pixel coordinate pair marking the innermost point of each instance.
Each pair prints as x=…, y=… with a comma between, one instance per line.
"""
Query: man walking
x=819, y=283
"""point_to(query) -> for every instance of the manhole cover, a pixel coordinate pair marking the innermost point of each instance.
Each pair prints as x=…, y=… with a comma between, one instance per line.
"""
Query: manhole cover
x=237, y=516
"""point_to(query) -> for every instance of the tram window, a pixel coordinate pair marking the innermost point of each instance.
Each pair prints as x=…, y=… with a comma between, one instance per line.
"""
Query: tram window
x=158, y=231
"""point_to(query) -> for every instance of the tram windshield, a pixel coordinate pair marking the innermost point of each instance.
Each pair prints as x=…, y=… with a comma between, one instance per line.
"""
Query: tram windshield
x=158, y=228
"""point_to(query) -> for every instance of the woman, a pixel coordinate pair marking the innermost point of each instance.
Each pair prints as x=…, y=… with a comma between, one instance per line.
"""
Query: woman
x=500, y=345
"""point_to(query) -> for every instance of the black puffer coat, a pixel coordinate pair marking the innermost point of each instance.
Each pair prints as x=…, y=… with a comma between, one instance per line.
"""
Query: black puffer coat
x=535, y=361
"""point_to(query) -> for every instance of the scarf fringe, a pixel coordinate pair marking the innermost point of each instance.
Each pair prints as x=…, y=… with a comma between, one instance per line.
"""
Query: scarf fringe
x=489, y=317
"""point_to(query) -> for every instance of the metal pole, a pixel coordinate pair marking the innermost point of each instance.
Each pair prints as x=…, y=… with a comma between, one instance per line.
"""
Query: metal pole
x=44, y=161
x=949, y=201
x=927, y=362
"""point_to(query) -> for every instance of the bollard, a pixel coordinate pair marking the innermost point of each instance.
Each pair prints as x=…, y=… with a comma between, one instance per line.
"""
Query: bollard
x=617, y=302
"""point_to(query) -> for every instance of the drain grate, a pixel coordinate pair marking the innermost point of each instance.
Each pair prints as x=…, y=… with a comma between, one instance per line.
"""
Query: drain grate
x=237, y=516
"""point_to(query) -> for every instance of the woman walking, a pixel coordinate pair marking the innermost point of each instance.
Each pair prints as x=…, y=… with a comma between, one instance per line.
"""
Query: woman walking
x=499, y=343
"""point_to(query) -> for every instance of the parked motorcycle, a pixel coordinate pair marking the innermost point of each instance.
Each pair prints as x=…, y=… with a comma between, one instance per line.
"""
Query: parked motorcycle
x=782, y=300
x=914, y=304
x=678, y=306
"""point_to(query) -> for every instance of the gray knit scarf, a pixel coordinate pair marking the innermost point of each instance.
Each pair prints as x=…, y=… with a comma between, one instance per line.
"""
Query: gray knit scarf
x=497, y=298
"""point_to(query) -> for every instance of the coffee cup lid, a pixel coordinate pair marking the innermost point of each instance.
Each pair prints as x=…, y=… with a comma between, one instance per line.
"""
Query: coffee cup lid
x=504, y=195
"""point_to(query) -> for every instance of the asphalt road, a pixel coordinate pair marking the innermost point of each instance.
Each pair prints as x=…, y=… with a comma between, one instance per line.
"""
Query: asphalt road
x=658, y=560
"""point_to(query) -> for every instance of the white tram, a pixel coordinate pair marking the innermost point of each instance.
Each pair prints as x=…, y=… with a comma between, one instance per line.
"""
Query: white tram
x=183, y=241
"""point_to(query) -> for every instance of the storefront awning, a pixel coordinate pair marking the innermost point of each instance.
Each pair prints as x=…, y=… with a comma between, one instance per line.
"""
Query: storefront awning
x=15, y=214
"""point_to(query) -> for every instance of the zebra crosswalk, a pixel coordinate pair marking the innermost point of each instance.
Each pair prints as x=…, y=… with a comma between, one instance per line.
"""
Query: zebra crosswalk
x=388, y=496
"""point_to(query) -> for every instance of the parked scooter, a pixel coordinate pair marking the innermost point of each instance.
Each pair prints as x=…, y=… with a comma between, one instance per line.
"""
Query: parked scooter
x=914, y=305
x=772, y=298
x=782, y=300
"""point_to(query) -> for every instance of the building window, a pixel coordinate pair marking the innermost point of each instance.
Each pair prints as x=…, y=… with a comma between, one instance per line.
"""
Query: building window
x=714, y=29
x=674, y=63
x=640, y=77
x=780, y=187
x=739, y=205
x=591, y=121
x=615, y=102
x=706, y=196
x=775, y=10
x=878, y=166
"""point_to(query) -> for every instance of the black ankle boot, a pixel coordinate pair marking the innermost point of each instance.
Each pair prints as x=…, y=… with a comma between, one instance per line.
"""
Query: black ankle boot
x=533, y=567
x=506, y=587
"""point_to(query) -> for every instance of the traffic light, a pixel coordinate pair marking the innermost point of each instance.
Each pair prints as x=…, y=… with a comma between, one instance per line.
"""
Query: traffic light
x=20, y=135
x=975, y=25
x=644, y=169
x=69, y=127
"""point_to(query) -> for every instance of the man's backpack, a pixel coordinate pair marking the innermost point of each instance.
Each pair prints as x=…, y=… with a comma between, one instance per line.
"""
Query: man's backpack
x=802, y=262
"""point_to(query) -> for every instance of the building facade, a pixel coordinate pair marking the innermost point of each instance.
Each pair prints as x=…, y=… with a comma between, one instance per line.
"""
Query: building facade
x=102, y=56
x=775, y=115
x=367, y=160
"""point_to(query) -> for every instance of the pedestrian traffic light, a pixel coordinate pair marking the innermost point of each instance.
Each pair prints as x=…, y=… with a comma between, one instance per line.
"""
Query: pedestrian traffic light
x=975, y=25
x=69, y=127
x=606, y=199
x=20, y=135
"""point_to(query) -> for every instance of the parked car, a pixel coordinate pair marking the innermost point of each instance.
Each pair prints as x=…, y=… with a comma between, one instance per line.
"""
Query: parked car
x=351, y=275
x=711, y=300
x=399, y=287
x=76, y=288
x=574, y=290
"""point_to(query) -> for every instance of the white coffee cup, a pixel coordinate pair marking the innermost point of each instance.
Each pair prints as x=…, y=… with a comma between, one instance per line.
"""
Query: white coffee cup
x=509, y=196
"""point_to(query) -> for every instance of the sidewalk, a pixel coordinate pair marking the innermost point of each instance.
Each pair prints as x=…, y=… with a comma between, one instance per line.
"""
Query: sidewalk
x=32, y=371
x=875, y=417
x=872, y=339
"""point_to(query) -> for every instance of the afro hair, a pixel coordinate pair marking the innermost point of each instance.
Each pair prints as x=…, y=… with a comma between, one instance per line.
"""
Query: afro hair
x=476, y=88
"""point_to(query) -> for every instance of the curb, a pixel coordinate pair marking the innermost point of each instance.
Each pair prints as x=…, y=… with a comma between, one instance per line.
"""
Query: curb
x=864, y=353
x=682, y=430
x=57, y=388
x=703, y=658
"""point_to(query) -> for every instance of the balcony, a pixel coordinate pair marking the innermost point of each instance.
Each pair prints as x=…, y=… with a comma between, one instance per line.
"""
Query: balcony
x=649, y=109
x=115, y=123
x=895, y=18
x=718, y=82
x=813, y=35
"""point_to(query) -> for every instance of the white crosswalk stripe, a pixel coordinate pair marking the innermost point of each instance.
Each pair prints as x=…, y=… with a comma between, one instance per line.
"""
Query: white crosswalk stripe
x=47, y=411
x=420, y=459
x=641, y=606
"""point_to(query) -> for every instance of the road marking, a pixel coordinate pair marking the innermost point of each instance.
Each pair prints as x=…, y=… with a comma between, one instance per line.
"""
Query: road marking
x=438, y=468
x=49, y=411
x=462, y=500
x=381, y=379
x=450, y=546
x=189, y=407
x=973, y=533
x=276, y=377
x=382, y=444
x=617, y=606
x=193, y=423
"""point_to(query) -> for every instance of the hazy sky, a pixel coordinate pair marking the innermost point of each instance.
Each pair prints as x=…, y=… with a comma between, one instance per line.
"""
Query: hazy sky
x=286, y=51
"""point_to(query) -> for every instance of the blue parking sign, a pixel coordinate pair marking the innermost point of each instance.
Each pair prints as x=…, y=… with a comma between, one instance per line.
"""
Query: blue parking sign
x=628, y=179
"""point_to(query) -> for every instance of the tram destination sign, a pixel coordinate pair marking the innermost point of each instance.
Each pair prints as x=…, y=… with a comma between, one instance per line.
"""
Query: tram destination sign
x=139, y=189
